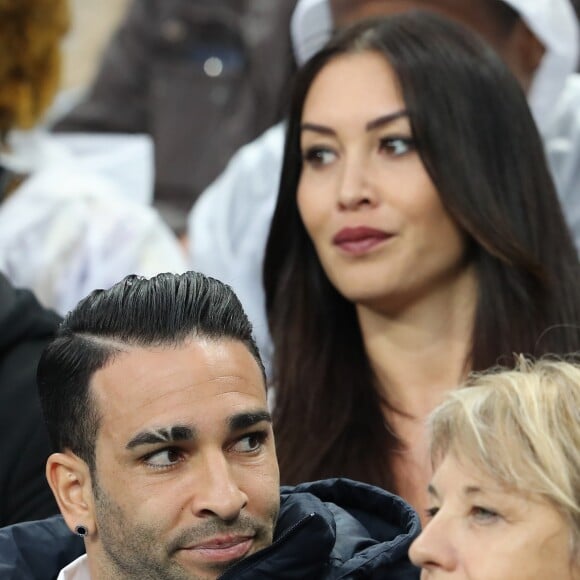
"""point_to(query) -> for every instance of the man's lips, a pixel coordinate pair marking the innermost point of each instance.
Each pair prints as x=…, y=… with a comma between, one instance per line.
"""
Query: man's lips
x=359, y=240
x=221, y=549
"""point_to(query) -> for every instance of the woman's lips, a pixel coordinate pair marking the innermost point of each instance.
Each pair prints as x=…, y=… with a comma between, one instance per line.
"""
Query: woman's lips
x=359, y=240
x=221, y=549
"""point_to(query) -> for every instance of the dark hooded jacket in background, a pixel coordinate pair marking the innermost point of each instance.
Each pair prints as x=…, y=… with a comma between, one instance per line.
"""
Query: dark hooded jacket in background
x=335, y=529
x=25, y=329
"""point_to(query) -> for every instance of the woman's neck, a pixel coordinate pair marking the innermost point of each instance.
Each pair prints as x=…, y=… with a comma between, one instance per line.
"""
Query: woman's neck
x=418, y=355
x=422, y=352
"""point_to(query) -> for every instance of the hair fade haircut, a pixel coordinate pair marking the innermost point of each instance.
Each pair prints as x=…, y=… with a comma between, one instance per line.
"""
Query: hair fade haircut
x=522, y=428
x=162, y=311
x=480, y=146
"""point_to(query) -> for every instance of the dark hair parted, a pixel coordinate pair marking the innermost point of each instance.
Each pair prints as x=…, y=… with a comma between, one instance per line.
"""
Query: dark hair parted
x=479, y=144
x=162, y=311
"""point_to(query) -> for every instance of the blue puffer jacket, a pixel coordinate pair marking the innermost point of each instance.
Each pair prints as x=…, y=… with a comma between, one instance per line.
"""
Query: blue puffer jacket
x=334, y=529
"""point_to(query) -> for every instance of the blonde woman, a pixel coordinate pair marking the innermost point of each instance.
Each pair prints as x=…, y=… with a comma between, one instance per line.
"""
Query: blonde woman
x=505, y=493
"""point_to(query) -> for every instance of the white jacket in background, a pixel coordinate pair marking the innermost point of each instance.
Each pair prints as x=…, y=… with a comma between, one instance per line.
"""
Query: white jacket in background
x=76, y=224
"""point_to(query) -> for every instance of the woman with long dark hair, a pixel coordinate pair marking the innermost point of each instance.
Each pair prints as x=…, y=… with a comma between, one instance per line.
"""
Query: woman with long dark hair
x=417, y=236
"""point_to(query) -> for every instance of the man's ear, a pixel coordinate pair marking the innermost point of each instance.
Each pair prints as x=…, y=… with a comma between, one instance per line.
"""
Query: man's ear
x=69, y=478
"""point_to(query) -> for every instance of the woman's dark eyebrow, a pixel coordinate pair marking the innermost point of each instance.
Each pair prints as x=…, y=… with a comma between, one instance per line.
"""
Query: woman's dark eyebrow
x=317, y=129
x=370, y=126
x=385, y=120
x=162, y=435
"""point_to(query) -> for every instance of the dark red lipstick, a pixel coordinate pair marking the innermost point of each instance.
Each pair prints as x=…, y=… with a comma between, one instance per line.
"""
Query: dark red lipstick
x=360, y=240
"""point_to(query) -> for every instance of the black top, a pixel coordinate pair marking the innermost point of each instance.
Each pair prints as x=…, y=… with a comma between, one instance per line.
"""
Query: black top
x=25, y=329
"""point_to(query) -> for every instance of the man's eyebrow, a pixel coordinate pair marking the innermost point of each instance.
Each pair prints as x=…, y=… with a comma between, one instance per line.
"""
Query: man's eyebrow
x=162, y=435
x=370, y=126
x=248, y=419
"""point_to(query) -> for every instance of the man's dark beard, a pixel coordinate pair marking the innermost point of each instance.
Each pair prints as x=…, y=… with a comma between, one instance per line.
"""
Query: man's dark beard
x=138, y=552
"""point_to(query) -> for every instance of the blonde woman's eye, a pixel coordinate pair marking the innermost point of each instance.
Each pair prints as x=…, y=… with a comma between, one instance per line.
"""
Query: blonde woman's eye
x=397, y=146
x=484, y=515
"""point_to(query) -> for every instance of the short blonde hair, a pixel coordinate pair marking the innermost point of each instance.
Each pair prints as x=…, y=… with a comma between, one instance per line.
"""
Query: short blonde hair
x=521, y=427
x=30, y=35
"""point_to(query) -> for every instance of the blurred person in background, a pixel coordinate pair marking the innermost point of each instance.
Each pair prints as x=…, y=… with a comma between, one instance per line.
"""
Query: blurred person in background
x=505, y=493
x=538, y=39
x=68, y=222
x=202, y=77
x=25, y=330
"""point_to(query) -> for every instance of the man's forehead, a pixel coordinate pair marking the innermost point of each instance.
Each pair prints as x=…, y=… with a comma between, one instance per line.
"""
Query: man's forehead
x=163, y=379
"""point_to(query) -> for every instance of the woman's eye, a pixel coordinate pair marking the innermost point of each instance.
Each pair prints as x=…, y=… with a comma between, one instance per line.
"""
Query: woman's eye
x=163, y=458
x=484, y=515
x=431, y=512
x=317, y=156
x=397, y=146
x=250, y=443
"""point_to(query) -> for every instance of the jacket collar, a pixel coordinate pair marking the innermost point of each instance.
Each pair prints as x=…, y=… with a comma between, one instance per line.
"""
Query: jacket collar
x=336, y=528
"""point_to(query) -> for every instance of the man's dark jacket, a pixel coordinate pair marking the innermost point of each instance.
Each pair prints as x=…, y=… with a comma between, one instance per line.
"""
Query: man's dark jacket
x=327, y=530
x=25, y=329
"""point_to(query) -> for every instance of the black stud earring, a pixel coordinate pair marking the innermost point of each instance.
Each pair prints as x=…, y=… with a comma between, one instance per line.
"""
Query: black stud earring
x=81, y=531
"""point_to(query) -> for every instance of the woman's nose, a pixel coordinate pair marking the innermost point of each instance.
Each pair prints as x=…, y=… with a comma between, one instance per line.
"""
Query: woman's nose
x=355, y=188
x=434, y=549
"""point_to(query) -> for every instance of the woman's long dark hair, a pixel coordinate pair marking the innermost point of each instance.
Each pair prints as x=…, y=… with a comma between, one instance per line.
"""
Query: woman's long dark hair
x=480, y=146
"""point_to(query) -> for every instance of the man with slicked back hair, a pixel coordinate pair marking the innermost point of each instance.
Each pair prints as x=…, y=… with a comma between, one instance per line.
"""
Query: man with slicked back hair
x=154, y=395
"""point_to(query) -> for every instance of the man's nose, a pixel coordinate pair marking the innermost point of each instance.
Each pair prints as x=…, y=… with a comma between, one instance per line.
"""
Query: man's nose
x=217, y=492
x=433, y=548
